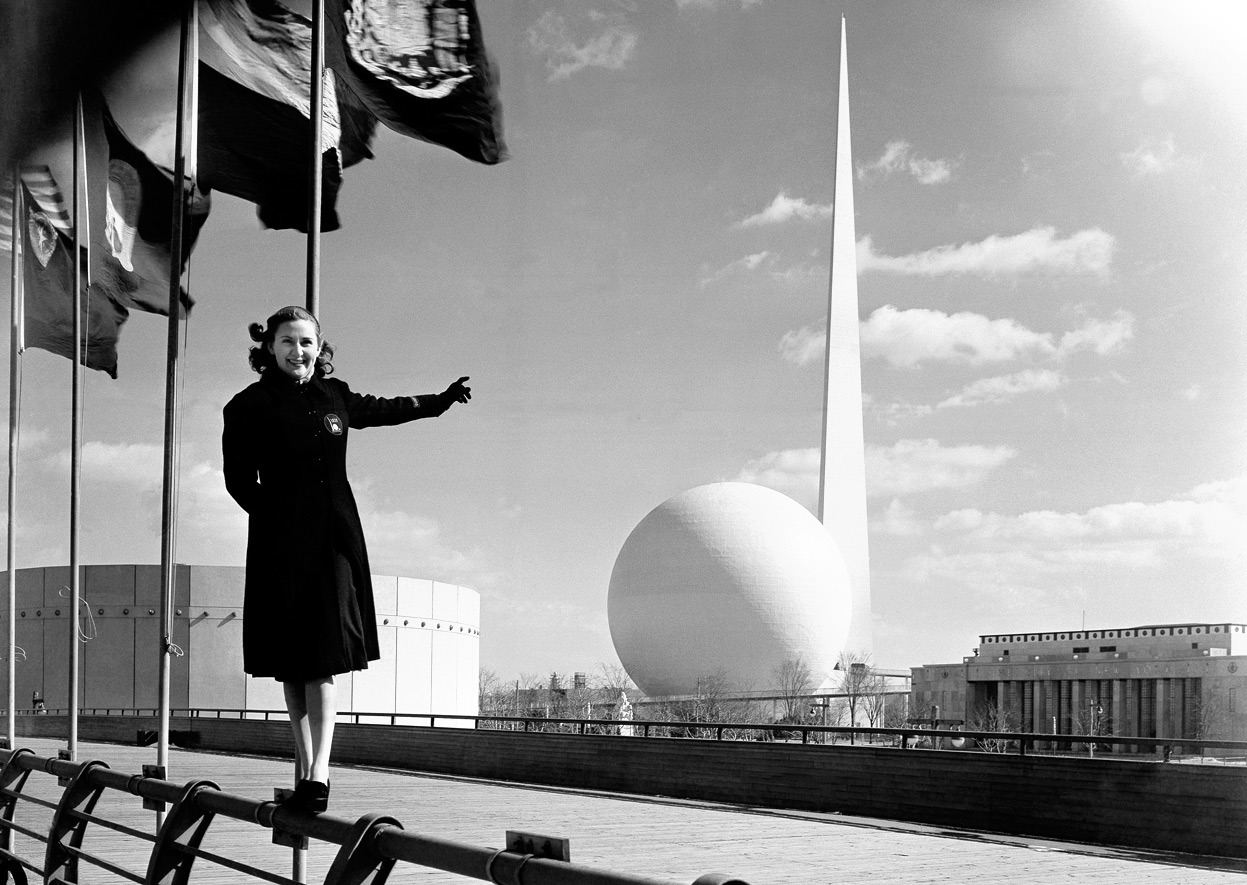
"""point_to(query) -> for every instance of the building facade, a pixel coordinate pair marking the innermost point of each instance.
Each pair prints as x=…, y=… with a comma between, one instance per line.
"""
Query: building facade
x=429, y=634
x=1163, y=680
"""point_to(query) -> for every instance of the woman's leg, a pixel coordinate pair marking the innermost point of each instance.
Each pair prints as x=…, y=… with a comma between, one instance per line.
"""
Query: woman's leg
x=297, y=707
x=321, y=696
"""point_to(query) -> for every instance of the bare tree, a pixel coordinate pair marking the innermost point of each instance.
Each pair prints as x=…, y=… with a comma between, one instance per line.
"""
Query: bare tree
x=874, y=698
x=492, y=694
x=793, y=681
x=990, y=717
x=855, y=678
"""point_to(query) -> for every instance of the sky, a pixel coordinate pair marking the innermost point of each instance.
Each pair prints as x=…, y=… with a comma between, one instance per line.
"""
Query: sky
x=1051, y=209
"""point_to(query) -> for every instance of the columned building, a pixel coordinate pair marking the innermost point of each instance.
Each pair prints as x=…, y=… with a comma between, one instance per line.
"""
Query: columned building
x=1163, y=680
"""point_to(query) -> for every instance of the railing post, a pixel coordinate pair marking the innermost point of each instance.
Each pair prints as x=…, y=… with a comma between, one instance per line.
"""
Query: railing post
x=65, y=834
x=12, y=780
x=183, y=829
x=358, y=857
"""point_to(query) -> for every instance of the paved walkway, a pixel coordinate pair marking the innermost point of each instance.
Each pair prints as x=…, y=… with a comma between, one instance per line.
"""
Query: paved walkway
x=661, y=838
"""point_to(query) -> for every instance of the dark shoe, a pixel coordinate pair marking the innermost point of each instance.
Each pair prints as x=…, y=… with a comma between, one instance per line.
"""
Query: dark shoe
x=311, y=796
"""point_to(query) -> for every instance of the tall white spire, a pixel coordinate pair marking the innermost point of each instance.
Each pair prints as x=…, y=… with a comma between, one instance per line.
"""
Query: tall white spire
x=842, y=477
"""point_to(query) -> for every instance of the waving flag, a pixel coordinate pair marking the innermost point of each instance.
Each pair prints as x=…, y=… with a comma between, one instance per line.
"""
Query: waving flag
x=128, y=211
x=421, y=67
x=48, y=276
x=135, y=238
x=255, y=112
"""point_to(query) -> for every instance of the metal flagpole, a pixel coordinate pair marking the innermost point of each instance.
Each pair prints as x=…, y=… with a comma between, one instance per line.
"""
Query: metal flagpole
x=187, y=66
x=75, y=444
x=314, y=191
x=15, y=368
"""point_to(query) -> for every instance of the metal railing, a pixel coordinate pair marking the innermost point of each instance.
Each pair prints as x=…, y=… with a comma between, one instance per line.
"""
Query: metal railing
x=369, y=846
x=1017, y=743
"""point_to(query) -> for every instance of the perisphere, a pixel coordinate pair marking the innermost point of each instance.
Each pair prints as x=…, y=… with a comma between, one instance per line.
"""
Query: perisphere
x=728, y=582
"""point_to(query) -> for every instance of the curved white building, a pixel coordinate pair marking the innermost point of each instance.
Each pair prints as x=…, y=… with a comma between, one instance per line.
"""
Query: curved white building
x=429, y=634
x=729, y=580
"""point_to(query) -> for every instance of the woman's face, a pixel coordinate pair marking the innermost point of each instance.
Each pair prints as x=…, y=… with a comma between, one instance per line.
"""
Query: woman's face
x=295, y=347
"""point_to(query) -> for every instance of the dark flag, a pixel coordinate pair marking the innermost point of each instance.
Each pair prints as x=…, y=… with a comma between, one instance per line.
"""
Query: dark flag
x=134, y=243
x=48, y=277
x=421, y=67
x=254, y=113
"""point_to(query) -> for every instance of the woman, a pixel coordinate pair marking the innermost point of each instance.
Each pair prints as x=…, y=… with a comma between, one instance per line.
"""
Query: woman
x=308, y=613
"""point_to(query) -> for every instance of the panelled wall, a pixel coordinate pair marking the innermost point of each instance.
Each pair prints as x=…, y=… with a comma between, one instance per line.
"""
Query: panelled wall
x=429, y=634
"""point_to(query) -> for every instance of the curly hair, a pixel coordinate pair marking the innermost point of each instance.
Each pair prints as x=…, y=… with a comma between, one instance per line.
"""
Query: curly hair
x=261, y=356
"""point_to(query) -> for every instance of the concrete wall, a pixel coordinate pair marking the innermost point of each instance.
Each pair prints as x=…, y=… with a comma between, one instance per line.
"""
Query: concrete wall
x=1193, y=808
x=429, y=634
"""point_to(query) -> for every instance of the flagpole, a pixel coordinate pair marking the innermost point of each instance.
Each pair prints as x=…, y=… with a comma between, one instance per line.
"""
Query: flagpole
x=75, y=443
x=15, y=367
x=317, y=112
x=187, y=70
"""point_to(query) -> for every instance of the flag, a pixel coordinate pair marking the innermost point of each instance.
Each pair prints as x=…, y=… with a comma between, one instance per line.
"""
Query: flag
x=134, y=241
x=255, y=113
x=129, y=208
x=421, y=67
x=48, y=276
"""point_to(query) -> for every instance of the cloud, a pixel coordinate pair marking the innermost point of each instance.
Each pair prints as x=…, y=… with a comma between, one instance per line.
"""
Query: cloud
x=906, y=338
x=898, y=521
x=610, y=45
x=746, y=264
x=907, y=467
x=922, y=465
x=990, y=551
x=804, y=346
x=1039, y=250
x=1002, y=388
x=793, y=472
x=785, y=208
x=135, y=464
x=716, y=4
x=1152, y=157
x=898, y=156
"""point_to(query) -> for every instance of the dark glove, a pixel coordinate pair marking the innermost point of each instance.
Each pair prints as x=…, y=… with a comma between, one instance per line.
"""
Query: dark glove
x=457, y=392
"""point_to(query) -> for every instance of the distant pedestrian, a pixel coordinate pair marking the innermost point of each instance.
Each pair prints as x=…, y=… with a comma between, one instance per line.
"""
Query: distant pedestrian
x=308, y=613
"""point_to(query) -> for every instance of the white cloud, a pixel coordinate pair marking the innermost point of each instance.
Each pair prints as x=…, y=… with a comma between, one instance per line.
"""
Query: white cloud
x=898, y=156
x=1002, y=388
x=791, y=471
x=906, y=338
x=907, y=467
x=893, y=414
x=610, y=45
x=716, y=4
x=921, y=465
x=805, y=345
x=1194, y=392
x=1101, y=336
x=1152, y=157
x=1084, y=252
x=898, y=521
x=785, y=208
x=135, y=464
x=992, y=551
x=746, y=264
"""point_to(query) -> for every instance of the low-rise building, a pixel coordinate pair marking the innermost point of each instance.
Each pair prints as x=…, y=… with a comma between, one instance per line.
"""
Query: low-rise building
x=1160, y=680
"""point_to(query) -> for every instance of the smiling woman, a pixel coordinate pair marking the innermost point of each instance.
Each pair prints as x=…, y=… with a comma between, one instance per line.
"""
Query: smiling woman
x=309, y=614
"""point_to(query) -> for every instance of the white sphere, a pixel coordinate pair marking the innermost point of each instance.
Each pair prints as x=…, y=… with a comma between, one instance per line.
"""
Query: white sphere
x=729, y=578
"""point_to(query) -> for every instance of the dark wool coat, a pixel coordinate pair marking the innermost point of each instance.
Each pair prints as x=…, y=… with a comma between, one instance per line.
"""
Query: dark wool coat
x=307, y=609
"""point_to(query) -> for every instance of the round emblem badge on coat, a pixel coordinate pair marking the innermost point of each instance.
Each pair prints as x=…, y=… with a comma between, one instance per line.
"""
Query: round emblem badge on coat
x=334, y=424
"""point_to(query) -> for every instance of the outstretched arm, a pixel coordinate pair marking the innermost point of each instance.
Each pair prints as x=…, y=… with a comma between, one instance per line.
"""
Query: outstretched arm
x=372, y=411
